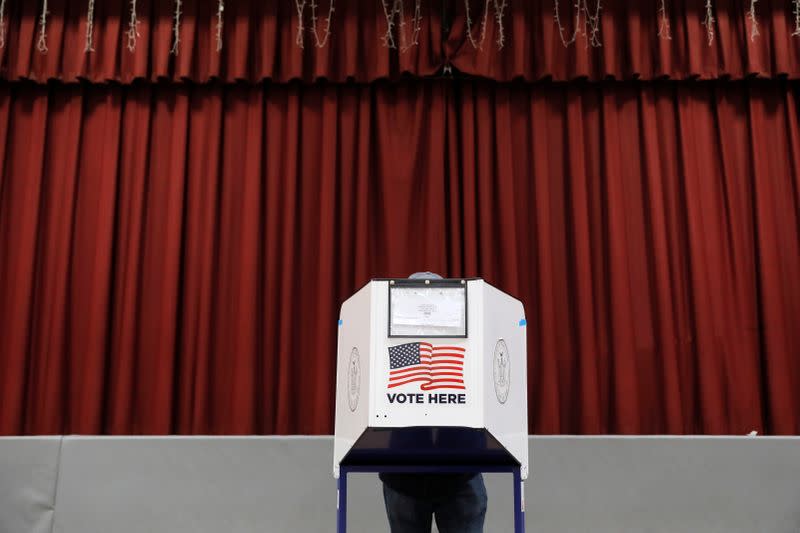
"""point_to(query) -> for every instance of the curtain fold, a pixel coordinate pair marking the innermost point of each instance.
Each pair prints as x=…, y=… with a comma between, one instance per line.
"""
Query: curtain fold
x=259, y=41
x=174, y=256
x=631, y=41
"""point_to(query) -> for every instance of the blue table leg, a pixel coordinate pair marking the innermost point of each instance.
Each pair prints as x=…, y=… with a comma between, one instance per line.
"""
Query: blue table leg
x=341, y=503
x=519, y=503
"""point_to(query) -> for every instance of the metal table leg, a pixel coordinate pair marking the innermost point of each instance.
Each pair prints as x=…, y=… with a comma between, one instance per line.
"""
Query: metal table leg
x=341, y=502
x=519, y=502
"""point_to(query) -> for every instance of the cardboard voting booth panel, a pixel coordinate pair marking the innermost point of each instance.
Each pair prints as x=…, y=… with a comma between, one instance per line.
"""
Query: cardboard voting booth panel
x=431, y=372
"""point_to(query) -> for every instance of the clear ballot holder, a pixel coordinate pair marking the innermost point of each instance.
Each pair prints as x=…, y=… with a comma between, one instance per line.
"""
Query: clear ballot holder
x=431, y=378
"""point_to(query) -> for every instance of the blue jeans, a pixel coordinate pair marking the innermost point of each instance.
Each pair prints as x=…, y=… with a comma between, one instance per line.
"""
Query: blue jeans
x=460, y=512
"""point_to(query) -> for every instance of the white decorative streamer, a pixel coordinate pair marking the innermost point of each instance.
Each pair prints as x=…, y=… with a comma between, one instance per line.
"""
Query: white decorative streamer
x=133, y=28
x=664, y=31
x=708, y=22
x=753, y=20
x=388, y=37
x=401, y=25
x=416, y=25
x=331, y=9
x=220, y=9
x=593, y=24
x=89, y=28
x=2, y=23
x=41, y=43
x=586, y=23
x=499, y=16
x=176, y=29
x=300, y=5
x=479, y=44
x=589, y=28
x=796, y=11
x=557, y=19
x=397, y=12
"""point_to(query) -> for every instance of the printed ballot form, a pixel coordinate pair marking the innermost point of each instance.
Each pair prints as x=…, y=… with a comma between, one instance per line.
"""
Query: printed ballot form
x=425, y=311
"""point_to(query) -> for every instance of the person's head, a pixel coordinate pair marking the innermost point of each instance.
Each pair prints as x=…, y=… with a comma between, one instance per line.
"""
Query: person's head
x=425, y=275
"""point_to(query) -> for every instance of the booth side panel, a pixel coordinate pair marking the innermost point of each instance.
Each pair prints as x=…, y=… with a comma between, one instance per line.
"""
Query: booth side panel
x=505, y=373
x=352, y=373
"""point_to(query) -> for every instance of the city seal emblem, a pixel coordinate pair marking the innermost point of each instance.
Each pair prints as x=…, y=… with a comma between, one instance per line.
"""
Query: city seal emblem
x=502, y=371
x=354, y=380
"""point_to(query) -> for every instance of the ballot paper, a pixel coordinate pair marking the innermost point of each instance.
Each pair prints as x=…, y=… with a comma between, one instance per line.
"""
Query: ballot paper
x=428, y=311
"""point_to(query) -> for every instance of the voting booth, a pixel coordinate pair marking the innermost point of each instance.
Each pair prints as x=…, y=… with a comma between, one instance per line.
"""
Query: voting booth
x=431, y=377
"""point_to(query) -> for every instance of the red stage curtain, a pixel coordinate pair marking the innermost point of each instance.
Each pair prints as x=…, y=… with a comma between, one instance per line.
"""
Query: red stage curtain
x=631, y=47
x=174, y=256
x=259, y=42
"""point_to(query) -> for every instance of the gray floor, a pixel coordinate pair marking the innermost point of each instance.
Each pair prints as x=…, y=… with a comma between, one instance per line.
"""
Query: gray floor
x=283, y=484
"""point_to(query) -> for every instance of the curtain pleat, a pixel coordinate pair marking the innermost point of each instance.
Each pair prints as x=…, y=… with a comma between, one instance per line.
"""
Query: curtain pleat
x=174, y=256
x=259, y=41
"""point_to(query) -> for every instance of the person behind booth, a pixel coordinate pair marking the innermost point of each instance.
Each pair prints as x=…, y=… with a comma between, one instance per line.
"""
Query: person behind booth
x=457, y=501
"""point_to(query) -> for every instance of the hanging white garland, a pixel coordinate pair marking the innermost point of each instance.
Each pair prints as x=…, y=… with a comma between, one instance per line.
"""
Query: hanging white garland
x=708, y=22
x=321, y=42
x=300, y=5
x=586, y=23
x=390, y=14
x=41, y=43
x=388, y=37
x=593, y=25
x=176, y=28
x=220, y=9
x=89, y=28
x=557, y=19
x=2, y=23
x=479, y=43
x=499, y=16
x=751, y=14
x=664, y=31
x=396, y=12
x=133, y=28
x=401, y=25
x=416, y=25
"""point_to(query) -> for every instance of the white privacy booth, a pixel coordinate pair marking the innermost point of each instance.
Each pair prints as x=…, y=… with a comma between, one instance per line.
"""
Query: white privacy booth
x=431, y=377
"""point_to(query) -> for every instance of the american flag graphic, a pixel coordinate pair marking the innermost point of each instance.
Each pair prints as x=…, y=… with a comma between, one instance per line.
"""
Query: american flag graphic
x=433, y=367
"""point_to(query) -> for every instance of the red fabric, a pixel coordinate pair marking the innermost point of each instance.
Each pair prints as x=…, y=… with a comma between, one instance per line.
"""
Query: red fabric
x=259, y=42
x=631, y=47
x=174, y=256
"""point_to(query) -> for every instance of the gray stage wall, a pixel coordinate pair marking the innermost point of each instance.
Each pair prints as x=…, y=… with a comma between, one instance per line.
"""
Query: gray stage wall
x=28, y=476
x=284, y=484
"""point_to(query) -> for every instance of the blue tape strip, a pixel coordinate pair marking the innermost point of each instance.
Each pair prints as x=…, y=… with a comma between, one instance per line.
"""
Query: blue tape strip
x=340, y=322
x=523, y=322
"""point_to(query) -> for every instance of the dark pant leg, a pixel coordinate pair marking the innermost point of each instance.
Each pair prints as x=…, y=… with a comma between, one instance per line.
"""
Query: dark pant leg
x=465, y=511
x=407, y=514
